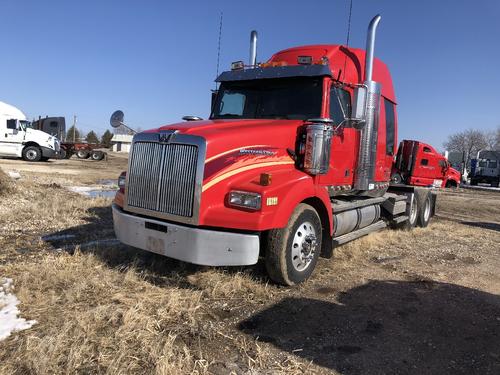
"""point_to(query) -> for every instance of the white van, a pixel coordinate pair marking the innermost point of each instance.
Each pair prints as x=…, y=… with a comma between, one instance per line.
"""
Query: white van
x=18, y=139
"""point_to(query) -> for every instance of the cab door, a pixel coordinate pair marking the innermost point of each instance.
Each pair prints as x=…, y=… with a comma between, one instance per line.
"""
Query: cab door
x=11, y=138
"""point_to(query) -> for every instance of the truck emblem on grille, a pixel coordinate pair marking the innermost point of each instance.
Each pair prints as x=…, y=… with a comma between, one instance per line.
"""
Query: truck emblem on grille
x=168, y=137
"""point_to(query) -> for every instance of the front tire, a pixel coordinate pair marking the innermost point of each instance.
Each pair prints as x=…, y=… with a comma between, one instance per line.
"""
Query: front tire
x=32, y=153
x=292, y=252
x=397, y=178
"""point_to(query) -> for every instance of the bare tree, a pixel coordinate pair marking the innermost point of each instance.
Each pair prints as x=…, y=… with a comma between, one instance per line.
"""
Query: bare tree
x=490, y=139
x=497, y=139
x=468, y=142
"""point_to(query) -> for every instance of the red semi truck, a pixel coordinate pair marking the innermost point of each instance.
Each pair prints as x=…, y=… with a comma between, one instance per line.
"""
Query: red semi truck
x=295, y=159
x=419, y=164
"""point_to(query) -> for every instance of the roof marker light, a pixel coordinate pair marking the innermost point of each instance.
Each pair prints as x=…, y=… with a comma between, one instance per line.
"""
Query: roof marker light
x=237, y=65
x=304, y=60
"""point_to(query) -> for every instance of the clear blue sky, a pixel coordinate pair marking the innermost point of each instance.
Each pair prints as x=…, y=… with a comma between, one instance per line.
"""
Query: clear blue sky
x=156, y=60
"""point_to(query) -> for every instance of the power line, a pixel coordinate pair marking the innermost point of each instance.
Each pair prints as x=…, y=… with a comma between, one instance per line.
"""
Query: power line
x=348, y=35
x=218, y=48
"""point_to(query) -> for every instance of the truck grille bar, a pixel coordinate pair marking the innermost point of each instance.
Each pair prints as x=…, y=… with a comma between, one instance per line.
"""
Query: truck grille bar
x=163, y=179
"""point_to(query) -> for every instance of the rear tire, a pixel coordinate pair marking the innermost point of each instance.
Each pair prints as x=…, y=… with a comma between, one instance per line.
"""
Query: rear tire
x=97, y=155
x=32, y=153
x=425, y=210
x=82, y=154
x=292, y=252
x=412, y=215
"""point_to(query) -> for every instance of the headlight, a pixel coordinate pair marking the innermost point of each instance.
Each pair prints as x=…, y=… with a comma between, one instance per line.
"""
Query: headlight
x=245, y=199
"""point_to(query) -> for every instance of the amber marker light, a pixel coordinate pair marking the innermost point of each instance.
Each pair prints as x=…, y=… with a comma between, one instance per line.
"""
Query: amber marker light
x=265, y=179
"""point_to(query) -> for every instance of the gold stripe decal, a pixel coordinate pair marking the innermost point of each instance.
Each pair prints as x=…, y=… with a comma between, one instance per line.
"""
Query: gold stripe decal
x=233, y=150
x=243, y=169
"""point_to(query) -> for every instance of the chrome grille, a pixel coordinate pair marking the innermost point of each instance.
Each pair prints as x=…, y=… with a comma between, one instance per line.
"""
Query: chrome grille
x=162, y=178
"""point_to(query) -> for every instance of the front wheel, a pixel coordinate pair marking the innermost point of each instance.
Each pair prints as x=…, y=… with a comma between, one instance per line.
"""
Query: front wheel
x=292, y=252
x=32, y=153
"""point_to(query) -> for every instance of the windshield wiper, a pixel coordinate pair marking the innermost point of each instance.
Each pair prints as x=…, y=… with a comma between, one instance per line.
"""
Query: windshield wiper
x=276, y=116
x=228, y=115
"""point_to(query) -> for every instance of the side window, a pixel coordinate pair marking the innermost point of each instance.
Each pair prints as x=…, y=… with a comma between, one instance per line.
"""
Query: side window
x=12, y=124
x=424, y=162
x=340, y=105
x=427, y=149
x=232, y=104
x=492, y=164
x=390, y=125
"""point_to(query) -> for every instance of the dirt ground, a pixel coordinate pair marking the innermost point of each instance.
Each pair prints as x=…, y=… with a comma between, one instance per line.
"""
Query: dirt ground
x=394, y=302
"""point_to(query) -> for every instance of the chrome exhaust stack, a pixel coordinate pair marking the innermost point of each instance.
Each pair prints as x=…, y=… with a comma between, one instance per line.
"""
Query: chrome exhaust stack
x=367, y=99
x=253, y=49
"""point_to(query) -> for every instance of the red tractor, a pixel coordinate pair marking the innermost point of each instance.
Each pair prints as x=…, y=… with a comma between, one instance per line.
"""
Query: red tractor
x=419, y=164
x=295, y=159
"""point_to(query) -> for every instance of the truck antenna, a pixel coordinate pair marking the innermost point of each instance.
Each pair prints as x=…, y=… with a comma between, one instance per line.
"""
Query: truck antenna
x=218, y=48
x=348, y=35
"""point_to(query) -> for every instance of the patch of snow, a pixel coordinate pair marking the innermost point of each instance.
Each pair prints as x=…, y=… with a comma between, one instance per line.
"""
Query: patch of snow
x=14, y=174
x=96, y=191
x=9, y=320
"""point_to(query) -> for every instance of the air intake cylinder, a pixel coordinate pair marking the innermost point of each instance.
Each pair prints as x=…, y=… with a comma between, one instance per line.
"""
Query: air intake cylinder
x=368, y=140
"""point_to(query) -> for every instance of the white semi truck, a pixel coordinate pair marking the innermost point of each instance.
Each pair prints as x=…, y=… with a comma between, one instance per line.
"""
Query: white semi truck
x=18, y=139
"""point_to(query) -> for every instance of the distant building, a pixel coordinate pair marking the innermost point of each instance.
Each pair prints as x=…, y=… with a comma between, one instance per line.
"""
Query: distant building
x=121, y=142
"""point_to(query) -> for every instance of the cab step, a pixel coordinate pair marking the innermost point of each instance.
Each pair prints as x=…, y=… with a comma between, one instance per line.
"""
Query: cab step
x=340, y=240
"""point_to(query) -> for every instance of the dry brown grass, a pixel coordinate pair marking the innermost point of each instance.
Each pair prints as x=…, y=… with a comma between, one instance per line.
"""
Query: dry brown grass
x=6, y=184
x=93, y=319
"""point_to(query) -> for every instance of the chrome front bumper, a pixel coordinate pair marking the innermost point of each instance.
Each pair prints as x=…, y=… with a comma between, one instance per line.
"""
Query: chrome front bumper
x=192, y=245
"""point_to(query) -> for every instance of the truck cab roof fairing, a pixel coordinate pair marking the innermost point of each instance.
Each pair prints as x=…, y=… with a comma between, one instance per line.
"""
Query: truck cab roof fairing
x=275, y=72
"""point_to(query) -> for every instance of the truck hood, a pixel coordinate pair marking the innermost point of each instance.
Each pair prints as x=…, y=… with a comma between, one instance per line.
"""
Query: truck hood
x=234, y=145
x=37, y=136
x=225, y=135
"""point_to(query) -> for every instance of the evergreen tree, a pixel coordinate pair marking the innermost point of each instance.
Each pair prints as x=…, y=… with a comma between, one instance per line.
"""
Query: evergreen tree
x=92, y=137
x=106, y=139
x=73, y=134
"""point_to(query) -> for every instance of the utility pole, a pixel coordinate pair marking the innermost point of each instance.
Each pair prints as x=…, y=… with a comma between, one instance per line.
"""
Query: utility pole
x=74, y=128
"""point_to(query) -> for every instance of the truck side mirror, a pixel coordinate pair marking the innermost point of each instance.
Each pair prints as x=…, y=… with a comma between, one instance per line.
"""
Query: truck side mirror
x=214, y=96
x=358, y=117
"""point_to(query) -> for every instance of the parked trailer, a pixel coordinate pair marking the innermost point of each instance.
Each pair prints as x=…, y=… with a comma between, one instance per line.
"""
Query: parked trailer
x=56, y=126
x=295, y=160
x=419, y=164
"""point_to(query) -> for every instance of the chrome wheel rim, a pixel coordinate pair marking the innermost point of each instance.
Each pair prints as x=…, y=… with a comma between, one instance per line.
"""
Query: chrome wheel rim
x=31, y=154
x=427, y=210
x=414, y=211
x=304, y=246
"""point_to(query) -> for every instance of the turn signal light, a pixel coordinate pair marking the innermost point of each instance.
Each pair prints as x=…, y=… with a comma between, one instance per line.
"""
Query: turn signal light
x=265, y=179
x=121, y=181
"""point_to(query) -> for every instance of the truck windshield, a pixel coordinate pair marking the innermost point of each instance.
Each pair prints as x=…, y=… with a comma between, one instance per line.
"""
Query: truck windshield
x=282, y=98
x=25, y=124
